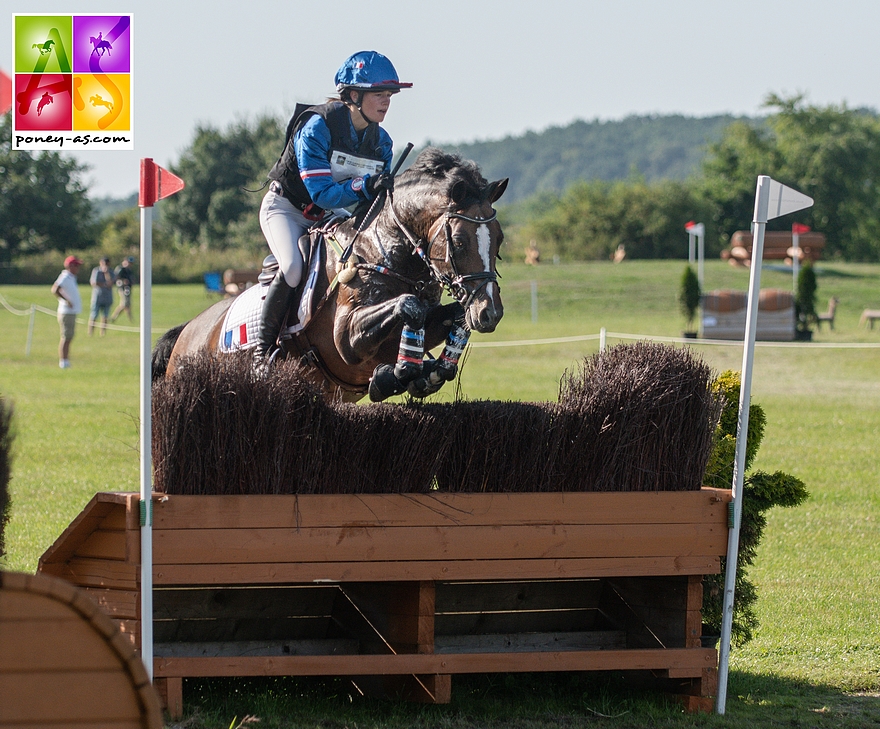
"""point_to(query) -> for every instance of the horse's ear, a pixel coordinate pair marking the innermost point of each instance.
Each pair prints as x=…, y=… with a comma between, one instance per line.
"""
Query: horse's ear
x=496, y=189
x=458, y=192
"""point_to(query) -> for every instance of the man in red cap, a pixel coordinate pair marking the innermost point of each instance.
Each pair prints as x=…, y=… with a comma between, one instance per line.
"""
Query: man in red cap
x=69, y=305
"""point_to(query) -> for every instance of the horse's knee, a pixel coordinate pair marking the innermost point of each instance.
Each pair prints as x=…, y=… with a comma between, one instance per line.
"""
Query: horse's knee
x=412, y=311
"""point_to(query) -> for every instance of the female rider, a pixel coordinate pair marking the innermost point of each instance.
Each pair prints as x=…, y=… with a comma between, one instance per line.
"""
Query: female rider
x=335, y=155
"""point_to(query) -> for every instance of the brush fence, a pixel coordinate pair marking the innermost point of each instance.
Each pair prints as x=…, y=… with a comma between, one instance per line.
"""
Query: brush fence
x=401, y=591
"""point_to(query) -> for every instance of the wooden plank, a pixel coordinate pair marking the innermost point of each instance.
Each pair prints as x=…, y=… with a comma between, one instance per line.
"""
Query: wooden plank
x=64, y=696
x=170, y=692
x=60, y=644
x=285, y=573
x=543, y=621
x=230, y=546
x=101, y=544
x=229, y=629
x=82, y=526
x=243, y=602
x=309, y=647
x=456, y=597
x=414, y=663
x=89, y=572
x=116, y=603
x=522, y=642
x=439, y=509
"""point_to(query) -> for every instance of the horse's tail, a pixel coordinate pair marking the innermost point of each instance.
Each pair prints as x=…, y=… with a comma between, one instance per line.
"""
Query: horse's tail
x=162, y=352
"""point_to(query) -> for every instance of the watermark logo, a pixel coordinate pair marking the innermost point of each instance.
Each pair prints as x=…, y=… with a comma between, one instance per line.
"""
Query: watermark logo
x=73, y=84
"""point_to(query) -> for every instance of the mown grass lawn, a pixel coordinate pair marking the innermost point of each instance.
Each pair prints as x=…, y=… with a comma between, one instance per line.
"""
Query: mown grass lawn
x=814, y=662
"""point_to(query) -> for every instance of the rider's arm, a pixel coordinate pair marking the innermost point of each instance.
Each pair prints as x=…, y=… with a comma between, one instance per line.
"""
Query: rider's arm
x=312, y=147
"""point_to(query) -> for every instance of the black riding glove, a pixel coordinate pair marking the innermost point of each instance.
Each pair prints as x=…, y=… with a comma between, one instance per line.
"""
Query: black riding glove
x=374, y=184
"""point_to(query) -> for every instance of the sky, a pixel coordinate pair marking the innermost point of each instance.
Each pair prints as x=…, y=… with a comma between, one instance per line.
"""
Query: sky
x=481, y=69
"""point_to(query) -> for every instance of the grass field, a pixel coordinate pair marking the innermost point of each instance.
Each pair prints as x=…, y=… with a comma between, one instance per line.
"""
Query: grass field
x=815, y=661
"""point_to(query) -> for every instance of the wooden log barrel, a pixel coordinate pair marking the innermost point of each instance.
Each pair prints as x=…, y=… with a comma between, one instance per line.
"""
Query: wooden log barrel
x=775, y=300
x=724, y=301
x=63, y=662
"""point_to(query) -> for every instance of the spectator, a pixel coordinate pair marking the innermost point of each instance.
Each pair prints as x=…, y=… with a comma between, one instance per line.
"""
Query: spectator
x=102, y=295
x=69, y=305
x=124, y=282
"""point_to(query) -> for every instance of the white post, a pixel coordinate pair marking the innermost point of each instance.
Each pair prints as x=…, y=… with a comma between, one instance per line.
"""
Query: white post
x=701, y=245
x=146, y=441
x=691, y=237
x=795, y=259
x=534, y=302
x=602, y=339
x=772, y=200
x=30, y=336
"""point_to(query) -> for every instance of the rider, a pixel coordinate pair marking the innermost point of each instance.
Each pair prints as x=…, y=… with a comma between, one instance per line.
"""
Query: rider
x=335, y=155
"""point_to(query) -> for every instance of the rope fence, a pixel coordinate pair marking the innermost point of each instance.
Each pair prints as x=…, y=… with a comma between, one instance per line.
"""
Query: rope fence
x=535, y=342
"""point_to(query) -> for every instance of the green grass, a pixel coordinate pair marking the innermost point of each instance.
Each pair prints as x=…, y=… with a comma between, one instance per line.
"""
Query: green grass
x=815, y=660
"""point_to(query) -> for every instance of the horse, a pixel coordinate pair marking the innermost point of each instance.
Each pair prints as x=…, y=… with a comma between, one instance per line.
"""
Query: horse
x=382, y=278
x=100, y=46
x=98, y=100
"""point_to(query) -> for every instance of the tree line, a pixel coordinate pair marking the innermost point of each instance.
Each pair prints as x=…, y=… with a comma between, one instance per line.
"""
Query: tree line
x=583, y=211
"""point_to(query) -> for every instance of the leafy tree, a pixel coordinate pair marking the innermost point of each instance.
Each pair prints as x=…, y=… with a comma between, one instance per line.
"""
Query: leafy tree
x=43, y=203
x=689, y=295
x=761, y=492
x=591, y=219
x=805, y=298
x=217, y=168
x=830, y=153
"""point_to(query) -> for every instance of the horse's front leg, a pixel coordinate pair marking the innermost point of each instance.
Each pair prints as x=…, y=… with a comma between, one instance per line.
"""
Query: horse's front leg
x=362, y=330
x=444, y=324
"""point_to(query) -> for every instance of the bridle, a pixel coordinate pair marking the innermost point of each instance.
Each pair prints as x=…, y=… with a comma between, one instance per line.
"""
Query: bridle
x=456, y=284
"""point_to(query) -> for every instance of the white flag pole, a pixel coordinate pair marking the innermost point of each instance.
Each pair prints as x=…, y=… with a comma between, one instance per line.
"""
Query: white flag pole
x=146, y=503
x=772, y=200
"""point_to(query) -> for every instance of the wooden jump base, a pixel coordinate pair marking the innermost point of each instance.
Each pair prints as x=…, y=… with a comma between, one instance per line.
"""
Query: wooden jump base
x=401, y=591
x=63, y=662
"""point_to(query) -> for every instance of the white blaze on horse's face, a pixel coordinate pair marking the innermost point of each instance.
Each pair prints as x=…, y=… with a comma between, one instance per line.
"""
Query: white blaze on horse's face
x=484, y=246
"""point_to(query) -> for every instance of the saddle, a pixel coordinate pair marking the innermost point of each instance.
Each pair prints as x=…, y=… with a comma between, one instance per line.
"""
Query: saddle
x=242, y=321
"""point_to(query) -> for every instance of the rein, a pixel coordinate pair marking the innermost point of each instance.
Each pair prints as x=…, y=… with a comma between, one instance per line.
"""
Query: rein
x=455, y=285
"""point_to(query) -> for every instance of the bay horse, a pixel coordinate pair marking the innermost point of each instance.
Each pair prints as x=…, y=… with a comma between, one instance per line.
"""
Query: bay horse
x=382, y=280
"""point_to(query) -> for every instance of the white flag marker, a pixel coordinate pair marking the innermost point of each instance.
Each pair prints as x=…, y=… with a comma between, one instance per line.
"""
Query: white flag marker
x=772, y=200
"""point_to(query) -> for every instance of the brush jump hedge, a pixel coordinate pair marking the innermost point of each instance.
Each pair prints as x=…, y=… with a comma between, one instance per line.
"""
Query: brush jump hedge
x=400, y=545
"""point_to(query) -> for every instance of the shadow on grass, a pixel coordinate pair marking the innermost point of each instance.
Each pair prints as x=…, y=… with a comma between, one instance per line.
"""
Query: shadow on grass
x=522, y=701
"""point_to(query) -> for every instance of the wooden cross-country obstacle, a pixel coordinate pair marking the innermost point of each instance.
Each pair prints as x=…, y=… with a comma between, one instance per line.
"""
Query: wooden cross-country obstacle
x=63, y=662
x=403, y=591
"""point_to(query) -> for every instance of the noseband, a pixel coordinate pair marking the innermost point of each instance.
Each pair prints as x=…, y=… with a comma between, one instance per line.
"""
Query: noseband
x=455, y=284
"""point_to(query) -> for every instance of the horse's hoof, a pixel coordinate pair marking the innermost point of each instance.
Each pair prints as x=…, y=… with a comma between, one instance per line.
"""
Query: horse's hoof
x=384, y=384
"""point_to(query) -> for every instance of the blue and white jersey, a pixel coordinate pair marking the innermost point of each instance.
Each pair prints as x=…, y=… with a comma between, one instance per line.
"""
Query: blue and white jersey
x=334, y=177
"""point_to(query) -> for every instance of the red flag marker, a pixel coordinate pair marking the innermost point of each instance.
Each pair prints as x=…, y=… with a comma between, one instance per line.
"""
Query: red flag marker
x=156, y=183
x=5, y=93
x=799, y=228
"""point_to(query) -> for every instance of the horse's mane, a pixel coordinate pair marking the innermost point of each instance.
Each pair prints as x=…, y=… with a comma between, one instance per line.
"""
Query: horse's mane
x=449, y=169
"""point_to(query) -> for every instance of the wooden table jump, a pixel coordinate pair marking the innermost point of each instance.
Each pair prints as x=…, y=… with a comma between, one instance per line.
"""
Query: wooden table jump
x=403, y=591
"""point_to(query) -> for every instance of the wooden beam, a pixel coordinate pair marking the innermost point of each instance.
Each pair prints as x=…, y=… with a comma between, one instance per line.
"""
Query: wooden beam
x=695, y=659
x=394, y=571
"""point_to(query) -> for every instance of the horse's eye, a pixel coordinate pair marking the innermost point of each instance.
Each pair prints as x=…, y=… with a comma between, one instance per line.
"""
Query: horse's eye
x=459, y=241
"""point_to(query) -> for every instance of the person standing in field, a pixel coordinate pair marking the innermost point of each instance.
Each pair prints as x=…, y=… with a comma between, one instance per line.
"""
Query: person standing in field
x=102, y=295
x=124, y=282
x=69, y=305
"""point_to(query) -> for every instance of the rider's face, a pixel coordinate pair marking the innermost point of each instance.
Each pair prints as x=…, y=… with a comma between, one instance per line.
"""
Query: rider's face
x=375, y=105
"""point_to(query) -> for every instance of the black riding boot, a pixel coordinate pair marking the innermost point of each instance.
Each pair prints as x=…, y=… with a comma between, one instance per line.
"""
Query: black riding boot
x=275, y=307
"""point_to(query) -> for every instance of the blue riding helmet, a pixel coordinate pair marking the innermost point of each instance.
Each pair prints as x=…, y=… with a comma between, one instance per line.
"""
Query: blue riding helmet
x=368, y=70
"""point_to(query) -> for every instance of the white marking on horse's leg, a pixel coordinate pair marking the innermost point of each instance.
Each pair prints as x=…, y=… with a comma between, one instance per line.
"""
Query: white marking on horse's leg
x=484, y=242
